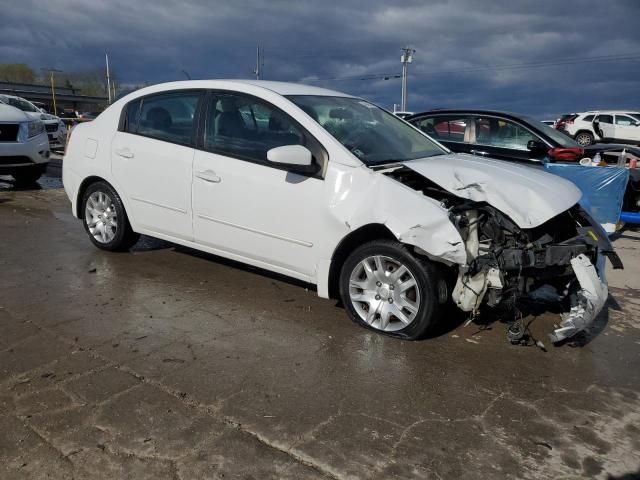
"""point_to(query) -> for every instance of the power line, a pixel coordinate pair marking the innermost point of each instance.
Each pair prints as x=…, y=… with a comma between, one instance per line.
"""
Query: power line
x=511, y=66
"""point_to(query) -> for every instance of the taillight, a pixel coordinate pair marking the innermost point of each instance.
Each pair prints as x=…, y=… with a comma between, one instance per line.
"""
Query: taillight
x=573, y=154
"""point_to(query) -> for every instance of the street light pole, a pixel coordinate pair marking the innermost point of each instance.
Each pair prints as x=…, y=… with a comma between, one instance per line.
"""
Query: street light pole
x=53, y=87
x=259, y=62
x=106, y=57
x=406, y=58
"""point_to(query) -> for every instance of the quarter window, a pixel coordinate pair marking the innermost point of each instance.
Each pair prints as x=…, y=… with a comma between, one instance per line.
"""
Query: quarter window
x=131, y=116
x=245, y=127
x=169, y=117
x=588, y=118
x=501, y=133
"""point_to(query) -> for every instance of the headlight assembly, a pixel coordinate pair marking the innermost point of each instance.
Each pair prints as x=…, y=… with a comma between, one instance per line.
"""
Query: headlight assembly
x=30, y=129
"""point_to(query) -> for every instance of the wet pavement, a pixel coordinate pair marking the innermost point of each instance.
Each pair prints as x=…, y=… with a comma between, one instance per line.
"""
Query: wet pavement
x=164, y=363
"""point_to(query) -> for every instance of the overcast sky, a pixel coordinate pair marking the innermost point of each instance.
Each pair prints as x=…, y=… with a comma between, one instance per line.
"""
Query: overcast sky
x=455, y=41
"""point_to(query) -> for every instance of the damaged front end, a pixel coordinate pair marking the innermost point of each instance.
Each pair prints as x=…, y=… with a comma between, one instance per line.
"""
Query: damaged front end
x=507, y=266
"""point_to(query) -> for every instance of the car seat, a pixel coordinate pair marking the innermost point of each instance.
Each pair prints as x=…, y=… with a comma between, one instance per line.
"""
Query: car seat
x=229, y=123
x=159, y=118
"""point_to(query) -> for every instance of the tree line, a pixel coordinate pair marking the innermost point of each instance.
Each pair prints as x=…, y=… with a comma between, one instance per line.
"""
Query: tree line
x=91, y=82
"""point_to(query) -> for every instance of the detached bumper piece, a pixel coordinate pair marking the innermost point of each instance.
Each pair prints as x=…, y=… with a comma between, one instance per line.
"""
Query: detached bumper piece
x=591, y=298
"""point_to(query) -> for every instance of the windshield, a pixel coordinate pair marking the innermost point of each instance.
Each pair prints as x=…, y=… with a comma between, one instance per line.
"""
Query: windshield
x=19, y=103
x=555, y=135
x=370, y=133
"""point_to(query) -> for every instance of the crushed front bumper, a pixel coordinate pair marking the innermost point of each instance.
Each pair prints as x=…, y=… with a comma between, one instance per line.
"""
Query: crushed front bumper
x=591, y=298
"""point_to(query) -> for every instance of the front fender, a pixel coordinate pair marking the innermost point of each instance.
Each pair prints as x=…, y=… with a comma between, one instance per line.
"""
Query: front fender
x=363, y=197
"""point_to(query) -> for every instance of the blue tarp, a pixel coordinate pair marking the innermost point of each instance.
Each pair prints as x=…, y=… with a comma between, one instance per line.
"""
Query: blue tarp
x=602, y=189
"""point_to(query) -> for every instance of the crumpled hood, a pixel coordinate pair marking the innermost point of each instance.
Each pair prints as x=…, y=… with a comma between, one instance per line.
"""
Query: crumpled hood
x=528, y=196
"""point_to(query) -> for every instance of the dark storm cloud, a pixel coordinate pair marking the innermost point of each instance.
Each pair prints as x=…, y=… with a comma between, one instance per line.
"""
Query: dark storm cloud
x=153, y=41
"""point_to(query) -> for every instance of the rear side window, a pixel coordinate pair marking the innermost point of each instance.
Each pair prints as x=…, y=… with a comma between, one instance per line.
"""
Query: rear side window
x=605, y=118
x=449, y=128
x=170, y=117
x=588, y=118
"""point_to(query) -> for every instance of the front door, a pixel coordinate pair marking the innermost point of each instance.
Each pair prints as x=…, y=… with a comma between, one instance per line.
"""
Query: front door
x=504, y=139
x=152, y=158
x=627, y=129
x=242, y=205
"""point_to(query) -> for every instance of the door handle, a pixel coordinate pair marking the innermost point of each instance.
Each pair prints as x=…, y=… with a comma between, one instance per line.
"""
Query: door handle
x=480, y=152
x=125, y=153
x=209, y=176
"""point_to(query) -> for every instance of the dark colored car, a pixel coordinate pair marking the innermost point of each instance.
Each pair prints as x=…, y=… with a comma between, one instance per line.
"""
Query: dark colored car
x=501, y=135
x=512, y=137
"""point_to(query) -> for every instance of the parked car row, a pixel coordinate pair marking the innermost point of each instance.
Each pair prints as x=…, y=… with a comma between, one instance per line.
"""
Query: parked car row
x=518, y=138
x=54, y=126
x=332, y=190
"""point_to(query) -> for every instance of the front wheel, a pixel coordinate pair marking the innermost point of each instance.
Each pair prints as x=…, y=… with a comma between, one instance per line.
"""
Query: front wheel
x=385, y=288
x=105, y=219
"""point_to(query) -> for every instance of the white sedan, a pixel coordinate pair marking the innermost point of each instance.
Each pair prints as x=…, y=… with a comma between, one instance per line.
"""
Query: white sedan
x=331, y=189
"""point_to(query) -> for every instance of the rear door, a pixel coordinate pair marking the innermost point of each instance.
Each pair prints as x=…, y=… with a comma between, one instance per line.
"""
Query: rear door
x=450, y=130
x=152, y=160
x=604, y=127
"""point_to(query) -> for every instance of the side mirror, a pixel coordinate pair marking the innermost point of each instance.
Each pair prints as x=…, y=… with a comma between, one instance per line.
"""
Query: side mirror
x=296, y=157
x=536, y=146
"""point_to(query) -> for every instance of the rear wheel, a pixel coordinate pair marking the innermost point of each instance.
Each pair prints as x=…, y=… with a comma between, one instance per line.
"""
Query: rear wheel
x=584, y=138
x=105, y=219
x=385, y=288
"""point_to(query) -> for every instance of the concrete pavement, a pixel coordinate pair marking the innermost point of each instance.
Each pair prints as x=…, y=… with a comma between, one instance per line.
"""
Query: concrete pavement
x=166, y=363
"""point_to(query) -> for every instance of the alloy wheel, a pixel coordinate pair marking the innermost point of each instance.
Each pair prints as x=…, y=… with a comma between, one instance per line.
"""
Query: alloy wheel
x=584, y=139
x=385, y=293
x=101, y=218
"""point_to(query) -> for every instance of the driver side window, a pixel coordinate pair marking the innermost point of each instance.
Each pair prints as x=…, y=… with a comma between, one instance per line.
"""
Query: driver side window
x=244, y=127
x=502, y=133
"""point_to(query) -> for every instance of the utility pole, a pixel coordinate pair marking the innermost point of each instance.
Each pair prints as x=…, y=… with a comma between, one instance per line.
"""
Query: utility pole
x=259, y=62
x=106, y=57
x=53, y=87
x=406, y=58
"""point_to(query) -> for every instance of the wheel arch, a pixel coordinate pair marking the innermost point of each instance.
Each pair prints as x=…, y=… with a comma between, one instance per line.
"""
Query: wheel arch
x=363, y=234
x=86, y=183
x=585, y=130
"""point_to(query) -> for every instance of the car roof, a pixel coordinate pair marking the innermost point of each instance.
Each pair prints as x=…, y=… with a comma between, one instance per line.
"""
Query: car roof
x=471, y=111
x=281, y=88
x=590, y=112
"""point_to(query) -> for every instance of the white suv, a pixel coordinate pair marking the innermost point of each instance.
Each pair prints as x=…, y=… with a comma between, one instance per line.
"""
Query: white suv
x=54, y=126
x=24, y=148
x=615, y=126
x=333, y=190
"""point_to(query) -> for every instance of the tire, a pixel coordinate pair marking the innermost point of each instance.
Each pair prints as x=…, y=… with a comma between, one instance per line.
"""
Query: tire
x=27, y=176
x=363, y=289
x=105, y=219
x=584, y=138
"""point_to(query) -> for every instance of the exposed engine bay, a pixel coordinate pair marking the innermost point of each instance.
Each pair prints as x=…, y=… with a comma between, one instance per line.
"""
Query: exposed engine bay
x=507, y=266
